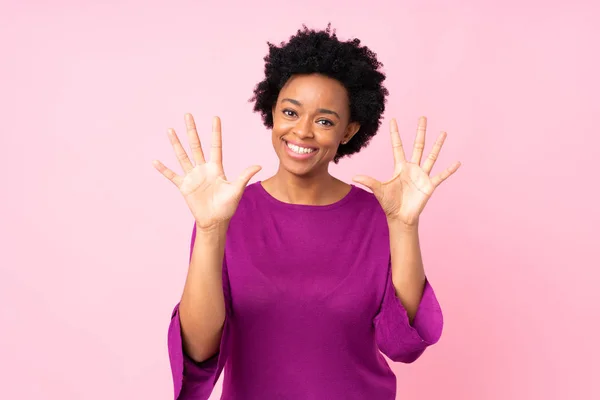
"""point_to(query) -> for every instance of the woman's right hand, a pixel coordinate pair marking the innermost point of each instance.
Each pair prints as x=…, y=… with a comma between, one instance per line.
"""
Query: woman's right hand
x=212, y=199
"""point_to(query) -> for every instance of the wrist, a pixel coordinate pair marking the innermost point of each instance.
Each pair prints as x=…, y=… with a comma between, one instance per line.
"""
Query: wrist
x=215, y=230
x=394, y=223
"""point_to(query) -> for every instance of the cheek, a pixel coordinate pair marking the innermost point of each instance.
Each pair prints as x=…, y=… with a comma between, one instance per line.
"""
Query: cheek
x=277, y=131
x=281, y=124
x=329, y=138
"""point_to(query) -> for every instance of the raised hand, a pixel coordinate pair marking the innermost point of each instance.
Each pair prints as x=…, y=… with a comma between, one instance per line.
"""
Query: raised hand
x=405, y=195
x=211, y=198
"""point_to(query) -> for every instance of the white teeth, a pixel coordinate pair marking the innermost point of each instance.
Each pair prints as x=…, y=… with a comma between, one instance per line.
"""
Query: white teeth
x=299, y=150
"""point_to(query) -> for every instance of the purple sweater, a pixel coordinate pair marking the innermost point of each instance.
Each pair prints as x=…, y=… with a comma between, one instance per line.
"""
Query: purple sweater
x=310, y=306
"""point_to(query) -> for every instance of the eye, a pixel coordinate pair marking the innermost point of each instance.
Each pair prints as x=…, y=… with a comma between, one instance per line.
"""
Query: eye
x=289, y=113
x=325, y=122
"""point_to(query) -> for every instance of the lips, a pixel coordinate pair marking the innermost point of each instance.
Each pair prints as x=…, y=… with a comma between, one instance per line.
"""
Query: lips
x=299, y=144
x=297, y=156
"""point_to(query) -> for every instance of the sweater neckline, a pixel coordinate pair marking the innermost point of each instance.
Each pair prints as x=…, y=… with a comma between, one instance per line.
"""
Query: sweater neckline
x=311, y=207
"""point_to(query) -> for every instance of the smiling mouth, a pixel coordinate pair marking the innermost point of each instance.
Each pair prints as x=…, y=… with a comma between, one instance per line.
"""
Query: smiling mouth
x=298, y=149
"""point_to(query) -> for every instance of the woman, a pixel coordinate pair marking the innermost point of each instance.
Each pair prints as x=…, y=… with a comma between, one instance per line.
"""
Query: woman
x=297, y=284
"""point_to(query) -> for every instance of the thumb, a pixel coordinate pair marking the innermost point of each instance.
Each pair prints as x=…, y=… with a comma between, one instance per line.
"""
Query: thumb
x=245, y=176
x=369, y=182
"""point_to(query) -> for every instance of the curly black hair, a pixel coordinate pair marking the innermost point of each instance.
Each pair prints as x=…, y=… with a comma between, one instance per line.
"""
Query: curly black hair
x=356, y=67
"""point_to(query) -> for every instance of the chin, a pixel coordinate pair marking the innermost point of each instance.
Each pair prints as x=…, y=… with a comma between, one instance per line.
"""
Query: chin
x=297, y=170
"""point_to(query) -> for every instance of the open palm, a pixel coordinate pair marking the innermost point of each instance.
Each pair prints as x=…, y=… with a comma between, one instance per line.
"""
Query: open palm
x=211, y=198
x=405, y=195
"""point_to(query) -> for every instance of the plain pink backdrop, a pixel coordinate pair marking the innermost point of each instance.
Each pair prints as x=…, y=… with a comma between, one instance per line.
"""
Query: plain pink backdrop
x=95, y=242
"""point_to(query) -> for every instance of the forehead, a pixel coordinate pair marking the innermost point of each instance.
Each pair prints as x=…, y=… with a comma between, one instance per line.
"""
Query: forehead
x=316, y=91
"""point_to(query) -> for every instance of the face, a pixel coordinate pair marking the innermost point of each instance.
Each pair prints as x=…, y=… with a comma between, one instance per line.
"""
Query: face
x=310, y=120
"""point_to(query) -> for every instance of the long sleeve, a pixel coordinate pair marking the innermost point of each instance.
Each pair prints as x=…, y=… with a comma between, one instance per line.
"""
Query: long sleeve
x=192, y=380
x=395, y=336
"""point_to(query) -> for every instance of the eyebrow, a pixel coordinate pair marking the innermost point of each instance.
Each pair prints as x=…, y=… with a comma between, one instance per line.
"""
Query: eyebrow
x=321, y=110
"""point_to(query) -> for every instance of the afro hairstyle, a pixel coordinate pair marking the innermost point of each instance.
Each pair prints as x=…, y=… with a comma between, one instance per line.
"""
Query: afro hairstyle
x=320, y=52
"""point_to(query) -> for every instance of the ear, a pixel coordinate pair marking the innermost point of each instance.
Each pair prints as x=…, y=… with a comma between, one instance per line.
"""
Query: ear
x=351, y=130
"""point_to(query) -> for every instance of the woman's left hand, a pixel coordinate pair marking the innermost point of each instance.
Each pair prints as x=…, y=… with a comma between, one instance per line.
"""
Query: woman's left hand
x=404, y=197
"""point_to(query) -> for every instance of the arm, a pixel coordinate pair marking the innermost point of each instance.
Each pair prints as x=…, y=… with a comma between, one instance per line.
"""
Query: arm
x=202, y=306
x=198, y=331
x=196, y=363
x=408, y=274
x=410, y=318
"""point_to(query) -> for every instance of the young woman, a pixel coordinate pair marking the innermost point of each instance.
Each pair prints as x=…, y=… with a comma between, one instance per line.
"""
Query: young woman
x=297, y=284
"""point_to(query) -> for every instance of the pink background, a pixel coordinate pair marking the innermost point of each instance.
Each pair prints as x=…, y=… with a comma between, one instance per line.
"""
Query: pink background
x=95, y=242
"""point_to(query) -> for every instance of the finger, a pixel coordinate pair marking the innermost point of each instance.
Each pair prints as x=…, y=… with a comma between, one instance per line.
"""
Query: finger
x=216, y=147
x=180, y=153
x=245, y=176
x=433, y=156
x=194, y=139
x=419, y=141
x=369, y=182
x=442, y=176
x=398, y=149
x=167, y=173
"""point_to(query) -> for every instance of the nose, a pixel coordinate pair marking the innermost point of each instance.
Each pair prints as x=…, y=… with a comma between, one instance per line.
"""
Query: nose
x=303, y=128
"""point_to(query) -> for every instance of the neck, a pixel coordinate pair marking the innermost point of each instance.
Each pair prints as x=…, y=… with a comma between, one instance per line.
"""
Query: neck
x=319, y=189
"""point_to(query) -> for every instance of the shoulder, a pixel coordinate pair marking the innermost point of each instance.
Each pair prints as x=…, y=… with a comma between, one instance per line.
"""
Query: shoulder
x=364, y=196
x=253, y=201
x=366, y=200
x=253, y=193
x=364, y=208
